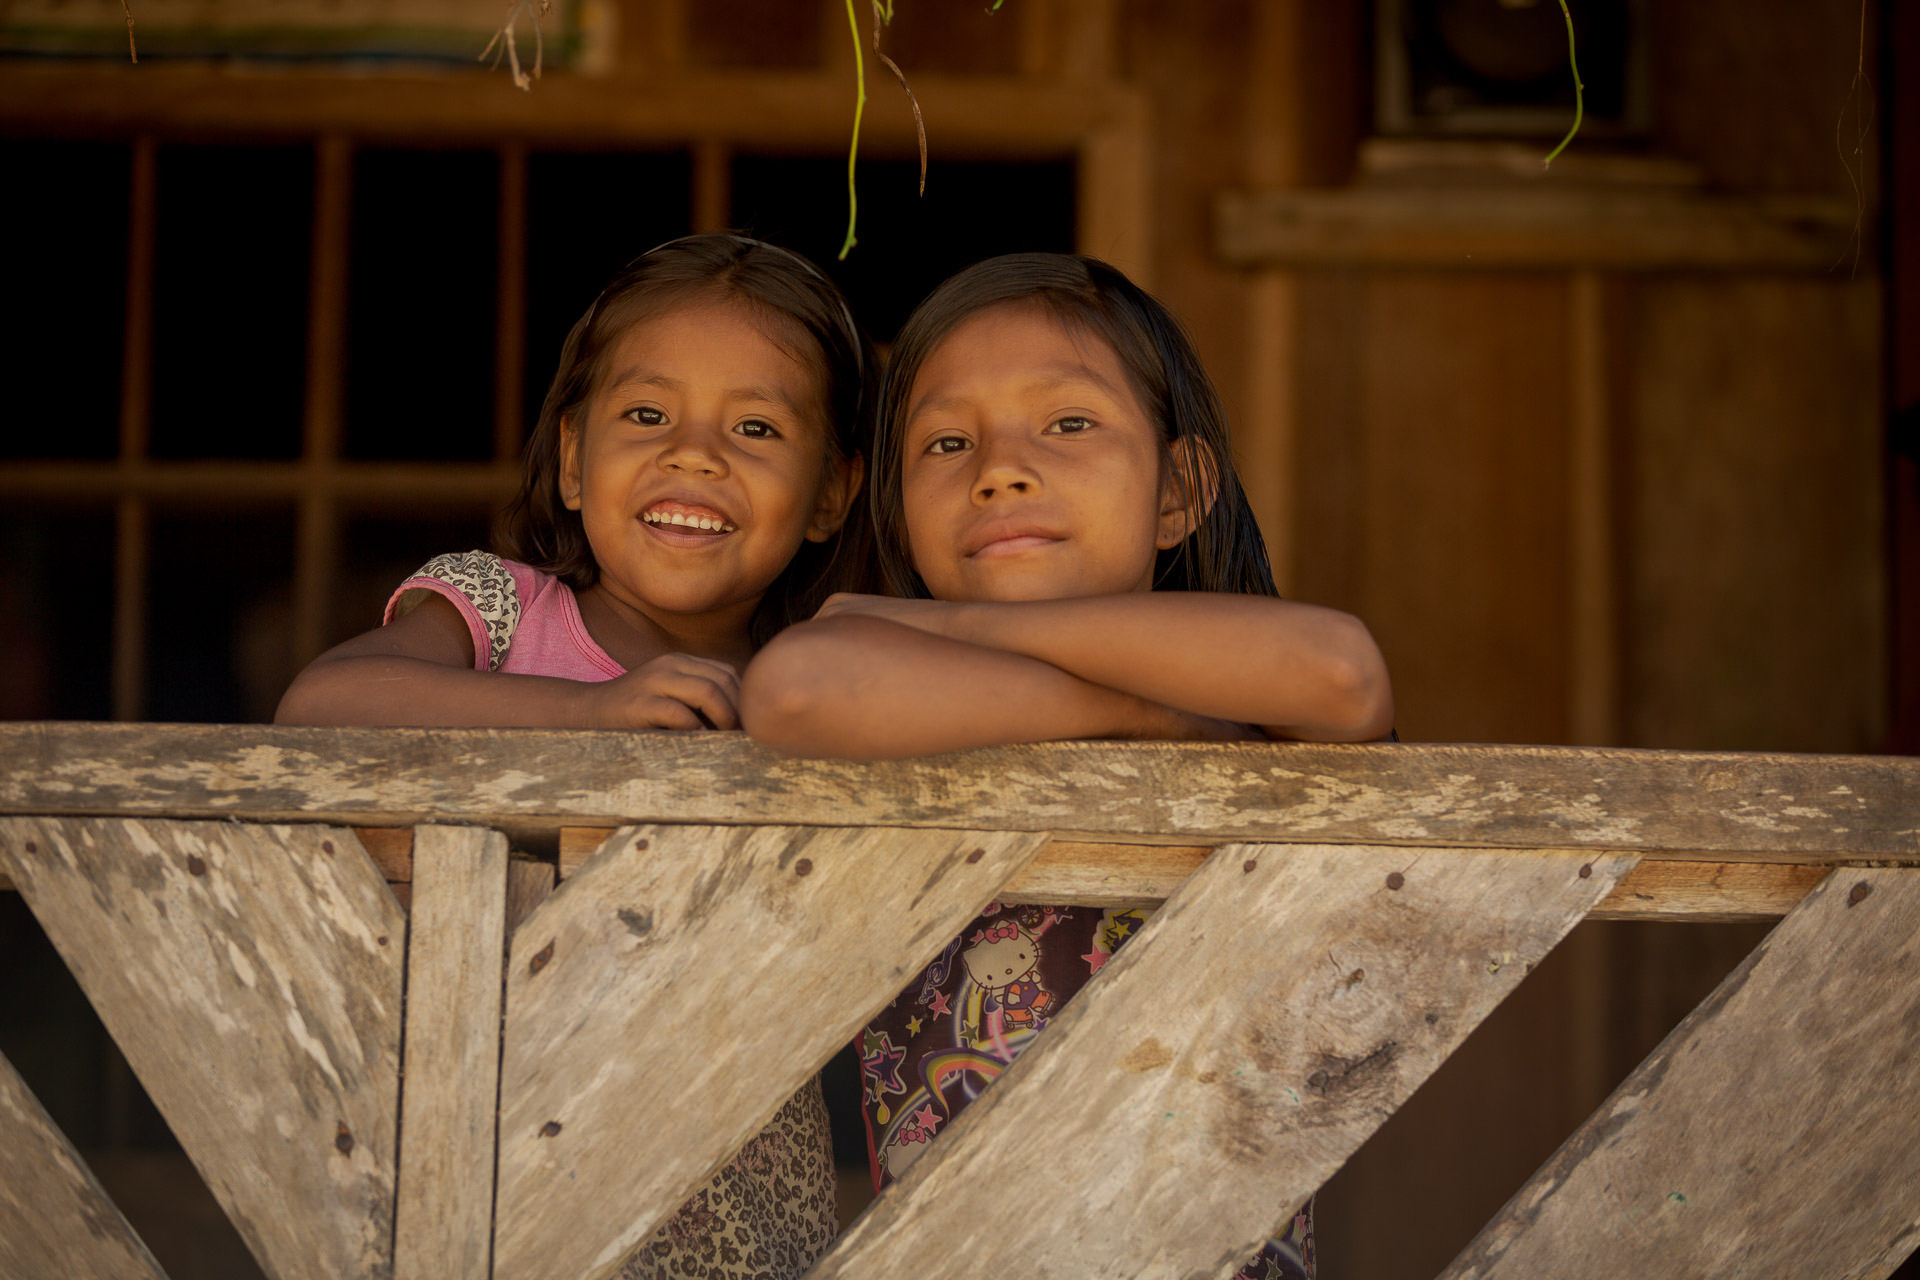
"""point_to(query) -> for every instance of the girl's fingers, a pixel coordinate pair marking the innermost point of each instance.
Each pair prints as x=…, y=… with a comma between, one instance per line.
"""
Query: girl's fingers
x=707, y=699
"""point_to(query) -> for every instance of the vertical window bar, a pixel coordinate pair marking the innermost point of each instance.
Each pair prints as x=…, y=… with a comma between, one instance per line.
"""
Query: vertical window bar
x=317, y=549
x=510, y=332
x=136, y=384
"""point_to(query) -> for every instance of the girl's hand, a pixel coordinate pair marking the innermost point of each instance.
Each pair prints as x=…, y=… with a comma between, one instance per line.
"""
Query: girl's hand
x=673, y=691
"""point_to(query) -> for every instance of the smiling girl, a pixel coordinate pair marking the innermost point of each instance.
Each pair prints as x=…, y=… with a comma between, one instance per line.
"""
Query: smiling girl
x=1072, y=557
x=693, y=462
x=696, y=454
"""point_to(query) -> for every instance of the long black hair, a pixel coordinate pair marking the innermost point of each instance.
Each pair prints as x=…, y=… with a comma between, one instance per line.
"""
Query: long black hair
x=805, y=315
x=1225, y=551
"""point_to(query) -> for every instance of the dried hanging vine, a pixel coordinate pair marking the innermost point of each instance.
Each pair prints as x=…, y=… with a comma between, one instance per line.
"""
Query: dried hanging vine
x=503, y=40
x=534, y=10
x=882, y=16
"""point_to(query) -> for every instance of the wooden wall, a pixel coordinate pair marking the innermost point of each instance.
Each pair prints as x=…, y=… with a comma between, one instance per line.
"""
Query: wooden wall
x=1615, y=475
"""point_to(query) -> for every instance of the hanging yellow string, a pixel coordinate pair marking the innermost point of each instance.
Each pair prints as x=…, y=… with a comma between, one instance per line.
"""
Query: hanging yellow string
x=1579, y=90
x=859, y=109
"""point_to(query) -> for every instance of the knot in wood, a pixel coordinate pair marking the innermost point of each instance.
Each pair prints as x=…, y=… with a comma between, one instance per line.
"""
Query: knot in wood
x=804, y=867
x=196, y=865
x=550, y=1129
x=1858, y=894
x=1586, y=871
x=540, y=959
x=343, y=1140
x=1395, y=880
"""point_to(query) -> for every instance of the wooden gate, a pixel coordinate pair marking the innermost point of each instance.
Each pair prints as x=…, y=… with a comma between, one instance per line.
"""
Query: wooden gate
x=366, y=1096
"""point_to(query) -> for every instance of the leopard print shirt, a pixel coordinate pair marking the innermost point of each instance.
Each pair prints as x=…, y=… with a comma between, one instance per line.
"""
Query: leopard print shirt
x=766, y=1216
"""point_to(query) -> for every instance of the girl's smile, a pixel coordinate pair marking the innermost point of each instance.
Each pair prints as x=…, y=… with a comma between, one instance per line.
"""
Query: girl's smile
x=1029, y=469
x=700, y=467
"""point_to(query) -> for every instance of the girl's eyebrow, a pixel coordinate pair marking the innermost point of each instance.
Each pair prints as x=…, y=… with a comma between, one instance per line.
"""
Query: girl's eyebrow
x=1046, y=380
x=636, y=378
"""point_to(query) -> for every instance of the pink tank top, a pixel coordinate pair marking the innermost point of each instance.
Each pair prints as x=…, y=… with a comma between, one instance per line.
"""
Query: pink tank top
x=521, y=620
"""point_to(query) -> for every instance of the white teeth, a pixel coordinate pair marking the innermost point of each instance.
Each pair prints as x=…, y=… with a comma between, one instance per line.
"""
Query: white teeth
x=691, y=522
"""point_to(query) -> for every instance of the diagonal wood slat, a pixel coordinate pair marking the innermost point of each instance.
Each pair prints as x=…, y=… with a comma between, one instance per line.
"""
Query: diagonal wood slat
x=1776, y=1132
x=668, y=998
x=252, y=977
x=457, y=943
x=1795, y=808
x=1276, y=1012
x=55, y=1220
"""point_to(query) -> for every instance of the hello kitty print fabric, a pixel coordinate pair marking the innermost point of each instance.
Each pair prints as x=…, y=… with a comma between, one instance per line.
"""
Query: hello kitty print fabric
x=971, y=1012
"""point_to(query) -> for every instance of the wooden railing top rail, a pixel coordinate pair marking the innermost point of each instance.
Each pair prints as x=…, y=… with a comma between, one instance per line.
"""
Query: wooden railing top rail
x=1740, y=807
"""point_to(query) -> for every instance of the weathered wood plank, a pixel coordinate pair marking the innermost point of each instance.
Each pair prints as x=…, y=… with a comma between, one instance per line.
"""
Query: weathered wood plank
x=252, y=976
x=1776, y=1132
x=456, y=945
x=668, y=998
x=55, y=1220
x=1789, y=808
x=1271, y=1016
x=1709, y=892
x=1105, y=875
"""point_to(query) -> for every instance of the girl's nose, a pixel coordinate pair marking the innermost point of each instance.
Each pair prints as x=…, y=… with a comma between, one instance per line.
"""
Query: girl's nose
x=692, y=450
x=1003, y=470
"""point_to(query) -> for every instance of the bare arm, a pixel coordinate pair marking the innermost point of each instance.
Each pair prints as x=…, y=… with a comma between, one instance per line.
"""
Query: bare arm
x=1296, y=670
x=869, y=689
x=418, y=670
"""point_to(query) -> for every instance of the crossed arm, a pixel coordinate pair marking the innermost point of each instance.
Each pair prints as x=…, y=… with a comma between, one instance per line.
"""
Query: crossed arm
x=418, y=670
x=875, y=677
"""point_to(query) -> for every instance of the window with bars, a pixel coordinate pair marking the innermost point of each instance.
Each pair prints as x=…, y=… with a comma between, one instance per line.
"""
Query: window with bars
x=256, y=383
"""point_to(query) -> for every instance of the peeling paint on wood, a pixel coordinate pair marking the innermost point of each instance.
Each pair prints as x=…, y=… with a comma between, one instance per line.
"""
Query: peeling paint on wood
x=604, y=1128
x=256, y=1004
x=55, y=1220
x=1803, y=808
x=1268, y=1063
x=1776, y=1132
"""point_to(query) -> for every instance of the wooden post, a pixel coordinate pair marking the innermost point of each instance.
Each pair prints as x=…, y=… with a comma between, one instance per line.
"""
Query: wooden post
x=456, y=945
x=54, y=1218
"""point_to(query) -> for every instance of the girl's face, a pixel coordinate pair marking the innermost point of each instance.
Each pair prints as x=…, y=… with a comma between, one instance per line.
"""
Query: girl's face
x=1029, y=470
x=700, y=462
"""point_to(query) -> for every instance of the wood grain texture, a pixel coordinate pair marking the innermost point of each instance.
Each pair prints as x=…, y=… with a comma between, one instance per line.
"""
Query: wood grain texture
x=1101, y=875
x=668, y=998
x=391, y=849
x=456, y=945
x=1776, y=1132
x=1270, y=1017
x=1709, y=892
x=252, y=977
x=1751, y=806
x=1505, y=226
x=529, y=884
x=54, y=1218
